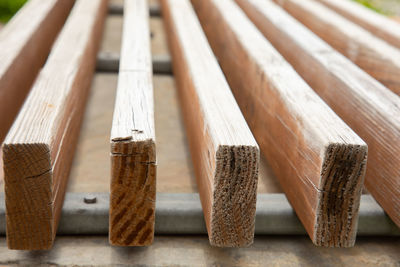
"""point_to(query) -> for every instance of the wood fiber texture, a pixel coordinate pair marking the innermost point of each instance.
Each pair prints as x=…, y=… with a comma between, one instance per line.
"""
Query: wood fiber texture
x=39, y=148
x=225, y=154
x=25, y=43
x=133, y=150
x=368, y=107
x=319, y=161
x=372, y=54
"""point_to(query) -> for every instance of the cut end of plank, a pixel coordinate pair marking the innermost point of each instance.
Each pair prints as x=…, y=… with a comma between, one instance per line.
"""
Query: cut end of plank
x=28, y=189
x=235, y=191
x=342, y=179
x=133, y=193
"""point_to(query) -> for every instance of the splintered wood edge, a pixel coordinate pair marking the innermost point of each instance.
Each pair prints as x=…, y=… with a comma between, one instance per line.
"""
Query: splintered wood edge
x=133, y=192
x=342, y=179
x=28, y=168
x=234, y=196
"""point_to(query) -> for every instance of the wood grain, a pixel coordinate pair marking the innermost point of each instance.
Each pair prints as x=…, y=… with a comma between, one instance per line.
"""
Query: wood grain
x=25, y=43
x=373, y=55
x=319, y=161
x=224, y=153
x=91, y=167
x=133, y=151
x=348, y=91
x=378, y=24
x=38, y=151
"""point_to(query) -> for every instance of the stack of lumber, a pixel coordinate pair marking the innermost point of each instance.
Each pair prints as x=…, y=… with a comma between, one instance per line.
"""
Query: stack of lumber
x=311, y=85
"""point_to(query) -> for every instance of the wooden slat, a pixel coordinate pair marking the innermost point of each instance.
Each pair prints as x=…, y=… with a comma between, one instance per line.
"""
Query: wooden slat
x=39, y=148
x=225, y=154
x=369, y=108
x=376, y=23
x=25, y=43
x=319, y=161
x=133, y=155
x=375, y=56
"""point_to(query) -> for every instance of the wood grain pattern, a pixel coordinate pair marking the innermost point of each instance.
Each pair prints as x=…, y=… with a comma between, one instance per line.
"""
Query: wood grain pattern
x=348, y=91
x=25, y=43
x=319, y=161
x=378, y=24
x=133, y=155
x=224, y=152
x=373, y=55
x=39, y=148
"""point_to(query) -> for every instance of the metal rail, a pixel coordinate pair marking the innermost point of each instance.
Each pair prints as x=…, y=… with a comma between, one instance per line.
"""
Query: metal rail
x=117, y=9
x=109, y=62
x=87, y=214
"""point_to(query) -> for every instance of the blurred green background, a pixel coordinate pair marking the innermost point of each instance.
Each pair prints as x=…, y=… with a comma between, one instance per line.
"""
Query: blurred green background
x=9, y=7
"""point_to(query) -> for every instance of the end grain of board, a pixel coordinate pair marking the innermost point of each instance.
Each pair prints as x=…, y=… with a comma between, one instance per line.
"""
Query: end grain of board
x=39, y=148
x=133, y=150
x=225, y=154
x=365, y=104
x=319, y=161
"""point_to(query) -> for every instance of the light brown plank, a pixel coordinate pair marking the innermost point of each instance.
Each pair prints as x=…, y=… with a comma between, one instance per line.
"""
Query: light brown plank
x=91, y=166
x=133, y=151
x=369, y=108
x=373, y=55
x=39, y=148
x=376, y=23
x=25, y=43
x=318, y=159
x=224, y=153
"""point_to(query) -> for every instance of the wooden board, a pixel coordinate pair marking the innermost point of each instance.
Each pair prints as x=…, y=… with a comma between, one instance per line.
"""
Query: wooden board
x=348, y=90
x=375, y=56
x=318, y=159
x=25, y=43
x=224, y=153
x=91, y=166
x=376, y=23
x=38, y=151
x=133, y=151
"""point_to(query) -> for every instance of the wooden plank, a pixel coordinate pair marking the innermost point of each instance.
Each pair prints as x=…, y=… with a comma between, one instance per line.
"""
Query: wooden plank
x=378, y=24
x=91, y=167
x=373, y=55
x=348, y=91
x=318, y=159
x=224, y=153
x=133, y=150
x=25, y=43
x=39, y=148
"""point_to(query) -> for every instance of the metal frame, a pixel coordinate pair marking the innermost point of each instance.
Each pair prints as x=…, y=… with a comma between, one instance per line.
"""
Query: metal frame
x=181, y=213
x=109, y=62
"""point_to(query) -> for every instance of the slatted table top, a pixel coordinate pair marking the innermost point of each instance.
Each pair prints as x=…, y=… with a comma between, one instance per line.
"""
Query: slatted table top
x=90, y=173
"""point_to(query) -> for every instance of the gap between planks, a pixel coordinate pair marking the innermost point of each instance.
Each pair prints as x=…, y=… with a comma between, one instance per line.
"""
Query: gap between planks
x=319, y=161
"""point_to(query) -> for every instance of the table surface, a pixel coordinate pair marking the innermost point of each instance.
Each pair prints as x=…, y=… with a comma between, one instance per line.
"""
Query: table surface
x=91, y=169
